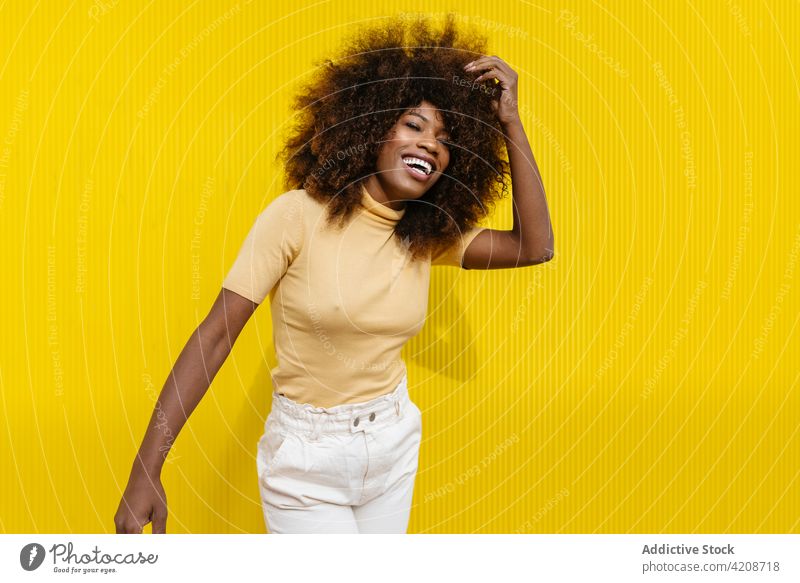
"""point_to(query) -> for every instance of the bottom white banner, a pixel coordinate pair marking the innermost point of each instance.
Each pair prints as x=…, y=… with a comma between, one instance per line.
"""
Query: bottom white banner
x=408, y=558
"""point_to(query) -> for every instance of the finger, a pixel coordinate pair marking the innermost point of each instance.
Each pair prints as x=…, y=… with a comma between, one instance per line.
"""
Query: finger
x=500, y=64
x=490, y=74
x=160, y=523
x=477, y=64
x=126, y=525
x=494, y=73
x=502, y=78
x=490, y=62
x=472, y=62
x=138, y=526
x=502, y=68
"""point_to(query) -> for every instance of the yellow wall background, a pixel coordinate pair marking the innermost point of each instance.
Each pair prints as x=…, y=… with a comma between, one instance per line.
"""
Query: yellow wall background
x=645, y=380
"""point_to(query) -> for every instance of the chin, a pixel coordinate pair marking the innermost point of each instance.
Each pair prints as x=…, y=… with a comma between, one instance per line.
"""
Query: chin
x=417, y=192
x=408, y=188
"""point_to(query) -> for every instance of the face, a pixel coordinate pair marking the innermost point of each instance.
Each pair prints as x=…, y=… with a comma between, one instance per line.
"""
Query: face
x=414, y=154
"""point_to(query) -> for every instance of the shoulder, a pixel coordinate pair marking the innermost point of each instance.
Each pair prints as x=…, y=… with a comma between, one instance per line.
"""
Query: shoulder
x=300, y=200
x=283, y=219
x=453, y=254
x=287, y=207
x=289, y=199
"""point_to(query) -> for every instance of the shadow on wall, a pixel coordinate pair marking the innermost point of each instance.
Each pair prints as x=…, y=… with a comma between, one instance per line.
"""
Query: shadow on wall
x=446, y=343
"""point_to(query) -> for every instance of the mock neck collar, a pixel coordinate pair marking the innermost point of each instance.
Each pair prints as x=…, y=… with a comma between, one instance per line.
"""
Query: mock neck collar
x=379, y=209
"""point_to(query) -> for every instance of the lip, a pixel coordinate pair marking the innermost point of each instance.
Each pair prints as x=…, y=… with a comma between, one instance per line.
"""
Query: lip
x=414, y=174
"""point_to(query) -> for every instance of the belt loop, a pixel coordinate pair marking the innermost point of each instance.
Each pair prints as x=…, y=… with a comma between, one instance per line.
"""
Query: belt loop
x=397, y=407
x=316, y=421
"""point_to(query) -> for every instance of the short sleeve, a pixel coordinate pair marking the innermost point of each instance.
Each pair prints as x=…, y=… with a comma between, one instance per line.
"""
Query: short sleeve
x=454, y=255
x=274, y=241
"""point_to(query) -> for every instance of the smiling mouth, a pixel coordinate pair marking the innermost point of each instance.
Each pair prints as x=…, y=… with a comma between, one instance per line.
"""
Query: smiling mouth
x=419, y=166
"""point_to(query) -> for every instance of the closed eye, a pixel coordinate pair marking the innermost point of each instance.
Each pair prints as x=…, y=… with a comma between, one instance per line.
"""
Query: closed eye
x=416, y=127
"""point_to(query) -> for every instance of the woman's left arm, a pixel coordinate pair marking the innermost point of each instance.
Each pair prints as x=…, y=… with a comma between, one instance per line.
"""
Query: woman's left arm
x=530, y=241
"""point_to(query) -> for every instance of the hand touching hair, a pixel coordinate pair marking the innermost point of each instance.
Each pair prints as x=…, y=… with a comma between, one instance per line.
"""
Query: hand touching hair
x=344, y=113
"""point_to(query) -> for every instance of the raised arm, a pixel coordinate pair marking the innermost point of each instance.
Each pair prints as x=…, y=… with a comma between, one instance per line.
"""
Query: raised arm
x=144, y=499
x=530, y=241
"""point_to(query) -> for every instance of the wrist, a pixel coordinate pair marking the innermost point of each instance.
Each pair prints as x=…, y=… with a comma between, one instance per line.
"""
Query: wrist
x=514, y=123
x=145, y=471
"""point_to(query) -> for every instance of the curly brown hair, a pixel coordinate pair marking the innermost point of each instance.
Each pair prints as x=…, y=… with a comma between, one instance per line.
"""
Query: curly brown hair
x=351, y=103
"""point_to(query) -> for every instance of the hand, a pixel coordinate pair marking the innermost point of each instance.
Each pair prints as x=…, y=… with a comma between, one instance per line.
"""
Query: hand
x=505, y=108
x=144, y=501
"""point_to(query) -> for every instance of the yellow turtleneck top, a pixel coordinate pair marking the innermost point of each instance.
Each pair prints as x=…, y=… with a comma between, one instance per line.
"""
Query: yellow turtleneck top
x=343, y=303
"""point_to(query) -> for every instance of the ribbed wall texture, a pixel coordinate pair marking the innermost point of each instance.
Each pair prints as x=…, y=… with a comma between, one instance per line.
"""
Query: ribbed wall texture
x=644, y=380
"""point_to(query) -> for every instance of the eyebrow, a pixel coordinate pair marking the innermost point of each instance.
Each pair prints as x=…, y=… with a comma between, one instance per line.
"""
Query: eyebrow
x=426, y=119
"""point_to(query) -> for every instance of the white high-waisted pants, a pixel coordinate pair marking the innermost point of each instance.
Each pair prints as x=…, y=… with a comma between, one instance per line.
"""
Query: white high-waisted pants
x=343, y=469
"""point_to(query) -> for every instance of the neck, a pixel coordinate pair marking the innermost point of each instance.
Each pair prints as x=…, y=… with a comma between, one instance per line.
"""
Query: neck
x=377, y=191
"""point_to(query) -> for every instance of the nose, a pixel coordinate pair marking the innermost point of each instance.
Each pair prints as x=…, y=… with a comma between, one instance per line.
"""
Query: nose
x=429, y=143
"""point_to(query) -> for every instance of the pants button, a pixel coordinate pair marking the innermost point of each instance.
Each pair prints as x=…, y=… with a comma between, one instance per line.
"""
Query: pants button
x=356, y=422
x=372, y=416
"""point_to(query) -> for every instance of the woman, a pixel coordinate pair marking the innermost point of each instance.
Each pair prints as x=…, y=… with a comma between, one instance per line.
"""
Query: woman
x=395, y=157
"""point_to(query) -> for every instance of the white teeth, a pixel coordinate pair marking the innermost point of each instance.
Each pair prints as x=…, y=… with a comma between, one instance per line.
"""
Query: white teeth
x=411, y=160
